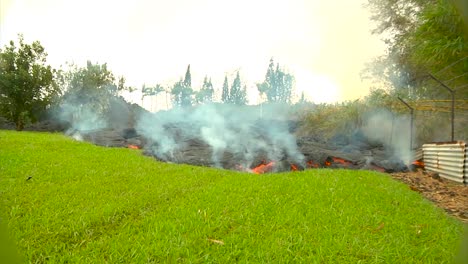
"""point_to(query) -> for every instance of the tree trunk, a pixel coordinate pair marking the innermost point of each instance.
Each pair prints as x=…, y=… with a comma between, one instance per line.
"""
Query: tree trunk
x=19, y=125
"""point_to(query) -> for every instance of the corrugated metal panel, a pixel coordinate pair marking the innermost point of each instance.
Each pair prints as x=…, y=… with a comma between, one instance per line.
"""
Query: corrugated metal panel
x=418, y=154
x=450, y=160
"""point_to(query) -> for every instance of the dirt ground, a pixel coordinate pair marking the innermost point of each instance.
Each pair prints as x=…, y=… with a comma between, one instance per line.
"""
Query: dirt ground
x=449, y=195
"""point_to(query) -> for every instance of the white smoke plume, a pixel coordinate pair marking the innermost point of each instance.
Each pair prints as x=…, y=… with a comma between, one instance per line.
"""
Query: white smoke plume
x=80, y=117
x=391, y=130
x=244, y=131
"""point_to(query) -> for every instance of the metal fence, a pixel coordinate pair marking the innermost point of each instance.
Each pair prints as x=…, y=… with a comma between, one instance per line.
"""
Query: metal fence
x=449, y=160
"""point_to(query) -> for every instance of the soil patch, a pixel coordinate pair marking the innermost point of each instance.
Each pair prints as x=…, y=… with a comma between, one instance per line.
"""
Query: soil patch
x=450, y=196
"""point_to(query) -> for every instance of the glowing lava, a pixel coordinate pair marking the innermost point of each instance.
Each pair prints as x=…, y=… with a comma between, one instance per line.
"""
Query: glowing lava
x=263, y=168
x=335, y=160
x=133, y=147
x=342, y=161
x=418, y=163
x=294, y=167
x=312, y=164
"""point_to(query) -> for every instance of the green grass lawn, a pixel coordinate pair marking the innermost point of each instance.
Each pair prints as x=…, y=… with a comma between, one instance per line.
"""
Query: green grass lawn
x=90, y=204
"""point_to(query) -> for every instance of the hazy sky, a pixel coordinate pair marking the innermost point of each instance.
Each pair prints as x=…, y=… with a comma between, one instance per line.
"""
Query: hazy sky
x=323, y=43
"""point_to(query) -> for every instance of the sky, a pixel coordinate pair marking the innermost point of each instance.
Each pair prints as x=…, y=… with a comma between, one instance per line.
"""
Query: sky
x=324, y=44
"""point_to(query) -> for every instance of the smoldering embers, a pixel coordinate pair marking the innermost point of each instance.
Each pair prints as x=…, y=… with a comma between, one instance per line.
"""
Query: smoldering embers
x=220, y=135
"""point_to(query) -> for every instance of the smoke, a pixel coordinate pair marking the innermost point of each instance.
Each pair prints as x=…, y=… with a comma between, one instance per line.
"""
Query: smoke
x=243, y=131
x=81, y=117
x=391, y=130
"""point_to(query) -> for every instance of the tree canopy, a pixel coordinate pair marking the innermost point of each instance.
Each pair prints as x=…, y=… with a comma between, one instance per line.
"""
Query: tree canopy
x=182, y=91
x=238, y=93
x=422, y=37
x=27, y=84
x=225, y=92
x=277, y=85
x=92, y=86
x=205, y=95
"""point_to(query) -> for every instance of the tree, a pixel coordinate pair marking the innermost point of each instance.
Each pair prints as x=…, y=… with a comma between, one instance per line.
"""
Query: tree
x=27, y=84
x=188, y=78
x=151, y=91
x=91, y=86
x=302, y=100
x=89, y=96
x=205, y=95
x=237, y=95
x=422, y=37
x=181, y=95
x=277, y=85
x=182, y=91
x=225, y=93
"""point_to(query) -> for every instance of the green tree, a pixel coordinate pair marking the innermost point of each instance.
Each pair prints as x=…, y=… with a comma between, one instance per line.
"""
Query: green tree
x=181, y=95
x=205, y=95
x=238, y=94
x=277, y=84
x=225, y=93
x=151, y=91
x=188, y=78
x=302, y=100
x=182, y=91
x=27, y=84
x=422, y=37
x=91, y=86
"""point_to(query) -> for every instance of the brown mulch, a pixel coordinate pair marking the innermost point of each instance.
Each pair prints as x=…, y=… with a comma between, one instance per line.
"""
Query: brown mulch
x=450, y=196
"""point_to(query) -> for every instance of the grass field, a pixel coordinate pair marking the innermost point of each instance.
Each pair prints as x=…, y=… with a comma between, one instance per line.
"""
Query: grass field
x=89, y=204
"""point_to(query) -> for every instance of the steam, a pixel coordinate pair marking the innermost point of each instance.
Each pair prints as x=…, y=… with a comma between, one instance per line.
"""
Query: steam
x=391, y=130
x=243, y=131
x=80, y=117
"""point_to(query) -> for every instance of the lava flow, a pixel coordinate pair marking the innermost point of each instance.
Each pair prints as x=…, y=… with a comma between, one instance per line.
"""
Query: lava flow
x=342, y=161
x=133, y=147
x=312, y=164
x=294, y=167
x=335, y=160
x=263, y=168
x=418, y=163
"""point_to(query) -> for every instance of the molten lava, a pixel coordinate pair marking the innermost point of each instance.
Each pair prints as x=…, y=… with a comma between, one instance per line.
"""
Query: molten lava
x=418, y=163
x=262, y=168
x=294, y=167
x=312, y=164
x=342, y=161
x=133, y=147
x=335, y=160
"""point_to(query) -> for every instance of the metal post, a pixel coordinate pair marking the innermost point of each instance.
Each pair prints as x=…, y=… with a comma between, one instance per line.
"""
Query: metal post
x=452, y=92
x=411, y=122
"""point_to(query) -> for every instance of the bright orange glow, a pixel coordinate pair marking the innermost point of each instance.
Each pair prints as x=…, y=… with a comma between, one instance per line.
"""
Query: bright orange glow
x=342, y=161
x=133, y=147
x=418, y=163
x=294, y=167
x=312, y=164
x=327, y=163
x=262, y=168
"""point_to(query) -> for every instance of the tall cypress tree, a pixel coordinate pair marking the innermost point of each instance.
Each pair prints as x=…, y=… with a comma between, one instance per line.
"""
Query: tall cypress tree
x=237, y=95
x=188, y=78
x=225, y=93
x=277, y=85
x=205, y=95
x=182, y=91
